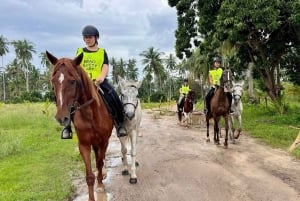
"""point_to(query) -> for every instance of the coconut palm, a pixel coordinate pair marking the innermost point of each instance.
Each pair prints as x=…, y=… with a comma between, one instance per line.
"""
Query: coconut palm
x=153, y=64
x=3, y=51
x=24, y=50
x=132, y=70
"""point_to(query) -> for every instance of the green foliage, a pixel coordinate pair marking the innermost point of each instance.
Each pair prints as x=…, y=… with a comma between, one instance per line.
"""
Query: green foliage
x=34, y=161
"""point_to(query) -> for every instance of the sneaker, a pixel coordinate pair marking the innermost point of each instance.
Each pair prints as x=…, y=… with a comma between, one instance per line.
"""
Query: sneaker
x=121, y=132
x=66, y=133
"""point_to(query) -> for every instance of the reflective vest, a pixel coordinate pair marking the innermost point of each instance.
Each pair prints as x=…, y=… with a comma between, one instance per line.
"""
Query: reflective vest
x=92, y=62
x=185, y=89
x=216, y=75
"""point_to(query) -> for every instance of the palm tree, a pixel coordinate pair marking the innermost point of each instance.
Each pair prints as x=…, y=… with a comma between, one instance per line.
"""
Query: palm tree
x=153, y=63
x=3, y=51
x=131, y=70
x=24, y=50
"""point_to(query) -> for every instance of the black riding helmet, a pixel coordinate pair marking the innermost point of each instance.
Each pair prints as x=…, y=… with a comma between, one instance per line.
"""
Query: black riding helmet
x=90, y=30
x=217, y=59
x=185, y=80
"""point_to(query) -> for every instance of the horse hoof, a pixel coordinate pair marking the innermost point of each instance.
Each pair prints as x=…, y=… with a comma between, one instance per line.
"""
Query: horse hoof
x=125, y=172
x=133, y=180
x=208, y=140
x=137, y=164
x=100, y=188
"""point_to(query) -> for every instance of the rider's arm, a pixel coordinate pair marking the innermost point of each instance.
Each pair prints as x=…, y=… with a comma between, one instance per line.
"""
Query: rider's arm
x=105, y=69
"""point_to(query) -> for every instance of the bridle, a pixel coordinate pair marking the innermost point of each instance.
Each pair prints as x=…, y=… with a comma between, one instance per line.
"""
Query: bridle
x=134, y=105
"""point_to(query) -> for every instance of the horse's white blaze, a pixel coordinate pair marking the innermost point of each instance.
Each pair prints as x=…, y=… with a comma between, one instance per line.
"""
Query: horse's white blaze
x=60, y=97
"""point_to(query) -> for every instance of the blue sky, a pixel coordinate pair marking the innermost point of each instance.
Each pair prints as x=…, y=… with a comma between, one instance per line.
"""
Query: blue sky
x=127, y=27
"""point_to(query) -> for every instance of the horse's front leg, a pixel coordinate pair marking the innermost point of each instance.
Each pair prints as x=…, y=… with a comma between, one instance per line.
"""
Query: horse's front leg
x=240, y=126
x=124, y=155
x=216, y=134
x=226, y=131
x=133, y=140
x=100, y=164
x=207, y=129
x=85, y=152
x=231, y=128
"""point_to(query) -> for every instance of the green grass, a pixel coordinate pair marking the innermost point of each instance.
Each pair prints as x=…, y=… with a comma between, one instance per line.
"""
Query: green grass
x=35, y=164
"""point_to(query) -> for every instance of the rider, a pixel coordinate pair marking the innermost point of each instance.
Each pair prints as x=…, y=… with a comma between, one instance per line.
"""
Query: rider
x=214, y=80
x=184, y=90
x=95, y=63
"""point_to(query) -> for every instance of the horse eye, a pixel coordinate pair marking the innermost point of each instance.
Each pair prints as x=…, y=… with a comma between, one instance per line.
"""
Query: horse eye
x=72, y=81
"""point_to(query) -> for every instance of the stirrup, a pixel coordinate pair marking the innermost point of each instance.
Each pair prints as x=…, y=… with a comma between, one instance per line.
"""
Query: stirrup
x=66, y=134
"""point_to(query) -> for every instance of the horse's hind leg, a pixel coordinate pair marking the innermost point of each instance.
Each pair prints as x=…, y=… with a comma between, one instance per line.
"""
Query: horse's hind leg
x=124, y=155
x=240, y=127
x=133, y=176
x=85, y=152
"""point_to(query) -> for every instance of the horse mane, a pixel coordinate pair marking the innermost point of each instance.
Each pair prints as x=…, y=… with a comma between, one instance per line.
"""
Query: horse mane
x=80, y=75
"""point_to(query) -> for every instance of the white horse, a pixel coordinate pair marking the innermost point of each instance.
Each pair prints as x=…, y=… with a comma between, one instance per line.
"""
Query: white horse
x=237, y=107
x=133, y=115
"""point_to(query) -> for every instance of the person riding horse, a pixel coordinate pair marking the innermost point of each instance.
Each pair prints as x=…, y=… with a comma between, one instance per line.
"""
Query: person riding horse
x=214, y=80
x=184, y=90
x=95, y=63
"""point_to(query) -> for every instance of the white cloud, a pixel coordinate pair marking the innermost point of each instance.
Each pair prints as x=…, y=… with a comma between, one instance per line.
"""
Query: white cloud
x=127, y=27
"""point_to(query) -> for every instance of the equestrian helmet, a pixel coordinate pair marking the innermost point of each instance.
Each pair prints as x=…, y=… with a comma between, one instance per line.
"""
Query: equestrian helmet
x=185, y=80
x=90, y=30
x=217, y=59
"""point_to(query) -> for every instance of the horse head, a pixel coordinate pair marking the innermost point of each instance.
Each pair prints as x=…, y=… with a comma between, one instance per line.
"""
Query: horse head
x=191, y=96
x=226, y=80
x=237, y=91
x=67, y=81
x=129, y=96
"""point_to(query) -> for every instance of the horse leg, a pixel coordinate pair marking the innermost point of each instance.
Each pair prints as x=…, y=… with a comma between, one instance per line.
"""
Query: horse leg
x=207, y=129
x=85, y=152
x=231, y=128
x=226, y=131
x=133, y=177
x=100, y=164
x=216, y=131
x=240, y=126
x=124, y=155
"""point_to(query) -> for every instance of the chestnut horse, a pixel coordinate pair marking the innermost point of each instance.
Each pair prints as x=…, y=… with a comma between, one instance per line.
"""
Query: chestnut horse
x=188, y=107
x=220, y=107
x=78, y=100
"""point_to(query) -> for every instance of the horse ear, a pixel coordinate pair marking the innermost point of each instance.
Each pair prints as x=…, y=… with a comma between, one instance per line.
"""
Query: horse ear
x=52, y=59
x=78, y=59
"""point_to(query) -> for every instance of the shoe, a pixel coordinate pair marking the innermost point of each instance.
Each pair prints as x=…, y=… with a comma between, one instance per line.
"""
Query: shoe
x=205, y=111
x=121, y=132
x=231, y=111
x=66, y=133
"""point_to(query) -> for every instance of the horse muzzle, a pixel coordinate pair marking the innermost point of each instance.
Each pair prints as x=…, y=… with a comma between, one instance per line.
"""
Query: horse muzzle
x=63, y=120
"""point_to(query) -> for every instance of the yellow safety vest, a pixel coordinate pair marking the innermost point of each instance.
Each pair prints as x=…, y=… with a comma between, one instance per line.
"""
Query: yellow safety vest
x=216, y=75
x=185, y=89
x=92, y=62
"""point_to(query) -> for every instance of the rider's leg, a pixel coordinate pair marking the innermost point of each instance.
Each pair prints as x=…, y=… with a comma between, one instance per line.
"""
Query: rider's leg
x=207, y=101
x=179, y=103
x=229, y=96
x=116, y=107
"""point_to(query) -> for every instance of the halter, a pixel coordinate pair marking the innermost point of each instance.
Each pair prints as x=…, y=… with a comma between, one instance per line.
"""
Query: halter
x=134, y=105
x=77, y=106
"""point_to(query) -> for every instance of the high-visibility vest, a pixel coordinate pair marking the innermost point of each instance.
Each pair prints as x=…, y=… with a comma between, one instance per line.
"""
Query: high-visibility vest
x=185, y=89
x=92, y=62
x=216, y=75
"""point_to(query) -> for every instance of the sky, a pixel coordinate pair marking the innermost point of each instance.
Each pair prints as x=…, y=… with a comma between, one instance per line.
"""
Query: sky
x=127, y=27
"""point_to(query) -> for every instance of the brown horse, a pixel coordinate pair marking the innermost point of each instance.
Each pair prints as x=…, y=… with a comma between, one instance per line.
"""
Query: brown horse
x=219, y=106
x=188, y=106
x=78, y=100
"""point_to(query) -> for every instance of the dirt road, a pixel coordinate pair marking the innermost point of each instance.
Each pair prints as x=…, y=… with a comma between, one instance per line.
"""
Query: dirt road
x=177, y=164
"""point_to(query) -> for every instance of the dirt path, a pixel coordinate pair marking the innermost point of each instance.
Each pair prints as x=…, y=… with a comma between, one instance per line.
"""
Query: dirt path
x=177, y=164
